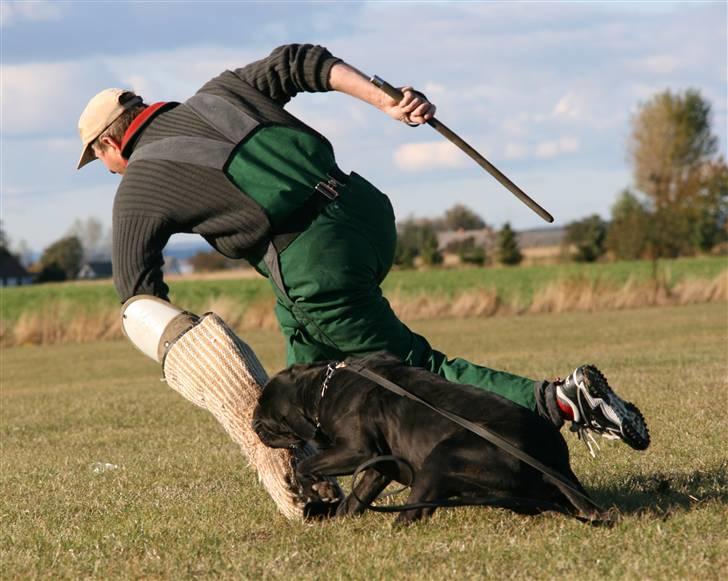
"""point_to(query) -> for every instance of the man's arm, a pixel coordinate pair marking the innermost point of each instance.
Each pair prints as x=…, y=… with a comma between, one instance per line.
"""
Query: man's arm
x=296, y=68
x=137, y=256
x=289, y=70
x=413, y=108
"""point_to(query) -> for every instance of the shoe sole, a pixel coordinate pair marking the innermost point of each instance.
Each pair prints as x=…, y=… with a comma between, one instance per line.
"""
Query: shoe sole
x=634, y=430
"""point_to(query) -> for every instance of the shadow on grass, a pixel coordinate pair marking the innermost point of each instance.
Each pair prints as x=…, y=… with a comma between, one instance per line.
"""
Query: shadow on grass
x=663, y=493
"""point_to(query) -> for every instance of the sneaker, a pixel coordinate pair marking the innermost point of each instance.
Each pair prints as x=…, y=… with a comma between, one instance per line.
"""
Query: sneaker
x=596, y=408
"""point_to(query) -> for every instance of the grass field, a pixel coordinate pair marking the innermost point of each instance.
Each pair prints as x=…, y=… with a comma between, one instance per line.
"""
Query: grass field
x=89, y=311
x=511, y=283
x=180, y=502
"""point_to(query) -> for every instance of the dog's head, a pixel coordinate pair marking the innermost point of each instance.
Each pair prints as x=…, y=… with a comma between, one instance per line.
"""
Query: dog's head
x=280, y=419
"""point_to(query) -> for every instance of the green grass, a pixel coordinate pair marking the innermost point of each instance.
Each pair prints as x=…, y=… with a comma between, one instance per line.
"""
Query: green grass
x=509, y=282
x=523, y=281
x=182, y=503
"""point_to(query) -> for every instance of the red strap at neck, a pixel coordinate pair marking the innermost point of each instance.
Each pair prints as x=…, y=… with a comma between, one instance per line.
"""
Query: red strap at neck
x=139, y=121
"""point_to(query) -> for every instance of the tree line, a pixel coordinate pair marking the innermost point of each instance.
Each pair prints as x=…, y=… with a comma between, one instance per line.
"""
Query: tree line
x=677, y=207
x=85, y=241
x=418, y=240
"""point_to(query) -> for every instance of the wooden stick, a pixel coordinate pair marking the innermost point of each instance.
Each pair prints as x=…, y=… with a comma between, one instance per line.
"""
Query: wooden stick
x=451, y=136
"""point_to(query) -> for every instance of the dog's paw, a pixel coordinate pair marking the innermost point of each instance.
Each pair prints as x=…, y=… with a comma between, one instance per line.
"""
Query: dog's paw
x=318, y=510
x=326, y=491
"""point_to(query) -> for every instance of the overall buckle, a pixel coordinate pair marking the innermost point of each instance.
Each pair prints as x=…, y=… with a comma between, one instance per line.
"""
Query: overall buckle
x=328, y=189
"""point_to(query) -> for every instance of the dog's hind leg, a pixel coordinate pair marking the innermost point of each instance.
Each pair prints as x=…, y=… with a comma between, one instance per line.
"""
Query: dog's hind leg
x=425, y=489
x=434, y=481
x=366, y=490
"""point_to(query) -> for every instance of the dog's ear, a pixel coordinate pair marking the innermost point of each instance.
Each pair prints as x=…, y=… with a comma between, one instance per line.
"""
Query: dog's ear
x=301, y=426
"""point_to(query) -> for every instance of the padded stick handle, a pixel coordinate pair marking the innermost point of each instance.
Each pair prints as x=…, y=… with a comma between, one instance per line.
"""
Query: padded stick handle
x=393, y=92
x=451, y=136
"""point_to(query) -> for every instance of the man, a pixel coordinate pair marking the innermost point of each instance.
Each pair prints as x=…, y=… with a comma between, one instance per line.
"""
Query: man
x=232, y=165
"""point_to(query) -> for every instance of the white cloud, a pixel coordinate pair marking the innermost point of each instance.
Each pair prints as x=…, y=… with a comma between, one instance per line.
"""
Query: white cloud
x=515, y=150
x=659, y=64
x=174, y=74
x=63, y=145
x=569, y=106
x=430, y=155
x=35, y=95
x=433, y=89
x=13, y=12
x=49, y=96
x=549, y=149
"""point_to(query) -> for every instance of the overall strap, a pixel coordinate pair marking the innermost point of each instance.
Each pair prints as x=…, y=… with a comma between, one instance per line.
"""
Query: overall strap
x=272, y=263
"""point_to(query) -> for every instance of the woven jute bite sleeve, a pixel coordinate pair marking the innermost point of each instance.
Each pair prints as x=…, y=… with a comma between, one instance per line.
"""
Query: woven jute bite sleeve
x=214, y=369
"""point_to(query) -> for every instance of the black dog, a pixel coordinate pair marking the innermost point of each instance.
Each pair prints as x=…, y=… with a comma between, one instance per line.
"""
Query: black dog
x=354, y=420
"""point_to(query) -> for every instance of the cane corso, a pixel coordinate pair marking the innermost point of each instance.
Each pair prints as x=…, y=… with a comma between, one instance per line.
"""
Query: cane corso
x=352, y=420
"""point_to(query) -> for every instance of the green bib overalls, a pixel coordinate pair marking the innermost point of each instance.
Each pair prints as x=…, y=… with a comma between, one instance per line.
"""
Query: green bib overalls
x=327, y=276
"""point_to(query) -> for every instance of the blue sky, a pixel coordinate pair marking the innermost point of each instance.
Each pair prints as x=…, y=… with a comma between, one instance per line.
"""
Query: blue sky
x=545, y=90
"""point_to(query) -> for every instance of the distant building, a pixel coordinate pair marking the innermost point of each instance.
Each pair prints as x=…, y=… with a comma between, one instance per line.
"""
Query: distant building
x=12, y=272
x=95, y=270
x=484, y=237
x=541, y=237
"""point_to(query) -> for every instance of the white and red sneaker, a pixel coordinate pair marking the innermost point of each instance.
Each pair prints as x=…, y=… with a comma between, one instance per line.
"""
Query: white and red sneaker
x=586, y=399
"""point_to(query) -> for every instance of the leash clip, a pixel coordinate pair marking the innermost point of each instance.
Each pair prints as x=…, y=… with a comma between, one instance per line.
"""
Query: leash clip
x=330, y=368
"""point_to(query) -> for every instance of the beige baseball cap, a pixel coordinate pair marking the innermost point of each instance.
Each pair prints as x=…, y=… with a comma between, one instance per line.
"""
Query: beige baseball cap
x=102, y=110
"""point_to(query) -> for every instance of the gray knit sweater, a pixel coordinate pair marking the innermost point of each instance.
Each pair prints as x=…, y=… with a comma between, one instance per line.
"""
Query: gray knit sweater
x=159, y=198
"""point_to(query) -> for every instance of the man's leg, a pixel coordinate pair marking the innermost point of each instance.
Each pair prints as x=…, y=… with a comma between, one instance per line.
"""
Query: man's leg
x=336, y=309
x=335, y=306
x=416, y=350
x=368, y=324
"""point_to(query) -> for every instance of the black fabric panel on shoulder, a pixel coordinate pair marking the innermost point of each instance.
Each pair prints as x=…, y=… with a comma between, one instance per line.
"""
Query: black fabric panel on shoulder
x=193, y=150
x=230, y=121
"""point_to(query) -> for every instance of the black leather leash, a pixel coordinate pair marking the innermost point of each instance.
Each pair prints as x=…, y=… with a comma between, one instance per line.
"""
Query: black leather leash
x=481, y=431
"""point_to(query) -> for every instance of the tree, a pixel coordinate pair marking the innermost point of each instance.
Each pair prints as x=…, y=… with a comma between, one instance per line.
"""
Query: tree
x=589, y=236
x=208, y=261
x=508, y=251
x=416, y=238
x=461, y=217
x=628, y=233
x=711, y=226
x=4, y=240
x=24, y=253
x=468, y=251
x=90, y=232
x=404, y=255
x=63, y=257
x=429, y=246
x=673, y=153
x=407, y=243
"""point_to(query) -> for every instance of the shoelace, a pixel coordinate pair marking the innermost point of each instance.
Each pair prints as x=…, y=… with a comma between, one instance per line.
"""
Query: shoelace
x=585, y=435
x=586, y=431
